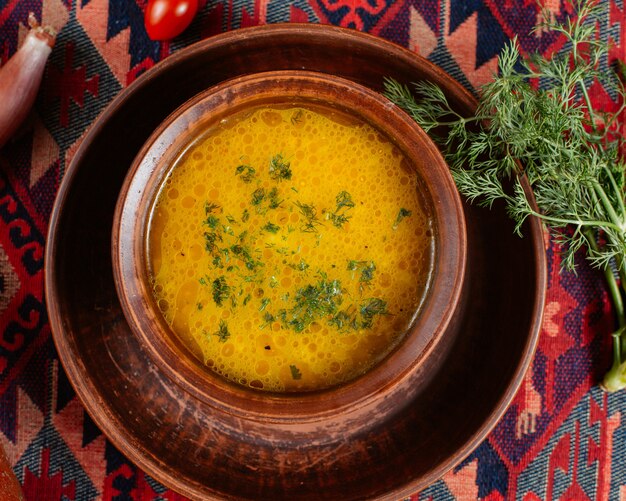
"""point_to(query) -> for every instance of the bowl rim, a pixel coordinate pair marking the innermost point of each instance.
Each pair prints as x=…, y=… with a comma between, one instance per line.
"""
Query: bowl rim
x=395, y=372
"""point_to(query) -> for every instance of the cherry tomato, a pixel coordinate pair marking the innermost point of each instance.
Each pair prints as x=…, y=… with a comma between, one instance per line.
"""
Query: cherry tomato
x=166, y=19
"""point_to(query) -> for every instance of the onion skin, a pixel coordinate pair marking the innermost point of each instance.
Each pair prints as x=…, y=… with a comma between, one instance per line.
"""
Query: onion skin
x=20, y=78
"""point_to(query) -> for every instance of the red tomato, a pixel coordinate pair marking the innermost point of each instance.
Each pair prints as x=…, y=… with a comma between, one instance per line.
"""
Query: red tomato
x=166, y=19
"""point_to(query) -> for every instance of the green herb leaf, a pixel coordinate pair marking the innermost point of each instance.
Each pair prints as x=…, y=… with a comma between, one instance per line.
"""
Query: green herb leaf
x=222, y=333
x=309, y=213
x=221, y=290
x=371, y=308
x=258, y=196
x=296, y=118
x=295, y=372
x=367, y=269
x=402, y=213
x=313, y=302
x=344, y=199
x=210, y=207
x=271, y=227
x=280, y=169
x=339, y=217
x=246, y=172
x=274, y=202
x=264, y=303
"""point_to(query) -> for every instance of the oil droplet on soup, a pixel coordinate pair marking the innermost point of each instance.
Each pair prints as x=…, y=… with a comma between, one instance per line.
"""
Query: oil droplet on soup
x=290, y=248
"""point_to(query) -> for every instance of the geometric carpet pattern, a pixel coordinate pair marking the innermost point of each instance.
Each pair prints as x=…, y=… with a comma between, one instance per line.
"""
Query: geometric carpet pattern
x=562, y=438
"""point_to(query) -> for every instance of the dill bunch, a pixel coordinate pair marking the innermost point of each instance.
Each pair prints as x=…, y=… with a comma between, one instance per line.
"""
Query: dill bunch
x=536, y=120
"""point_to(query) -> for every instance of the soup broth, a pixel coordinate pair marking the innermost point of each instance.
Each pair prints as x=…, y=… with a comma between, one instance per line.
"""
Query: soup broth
x=290, y=248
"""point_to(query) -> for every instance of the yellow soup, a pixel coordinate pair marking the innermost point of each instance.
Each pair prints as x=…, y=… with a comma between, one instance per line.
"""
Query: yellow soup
x=290, y=248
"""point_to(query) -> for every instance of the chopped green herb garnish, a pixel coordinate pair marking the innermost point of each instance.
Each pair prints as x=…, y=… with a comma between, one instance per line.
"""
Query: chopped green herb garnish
x=264, y=303
x=361, y=317
x=342, y=320
x=296, y=118
x=243, y=253
x=210, y=207
x=209, y=240
x=226, y=253
x=221, y=290
x=402, y=213
x=309, y=212
x=369, y=309
x=273, y=282
x=199, y=306
x=295, y=372
x=247, y=173
x=344, y=199
x=212, y=221
x=280, y=169
x=222, y=333
x=247, y=299
x=344, y=202
x=301, y=266
x=245, y=216
x=268, y=319
x=271, y=227
x=312, y=303
x=367, y=269
x=273, y=199
x=338, y=220
x=258, y=196
x=367, y=273
x=231, y=219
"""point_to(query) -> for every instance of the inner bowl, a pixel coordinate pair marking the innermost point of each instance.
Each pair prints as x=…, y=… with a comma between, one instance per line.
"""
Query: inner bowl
x=394, y=378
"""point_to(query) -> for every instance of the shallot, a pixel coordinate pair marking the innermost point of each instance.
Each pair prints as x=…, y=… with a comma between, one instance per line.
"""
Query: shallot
x=21, y=76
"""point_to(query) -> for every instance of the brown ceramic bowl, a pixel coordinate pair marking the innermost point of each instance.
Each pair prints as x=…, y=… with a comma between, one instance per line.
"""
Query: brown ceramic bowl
x=322, y=414
x=192, y=446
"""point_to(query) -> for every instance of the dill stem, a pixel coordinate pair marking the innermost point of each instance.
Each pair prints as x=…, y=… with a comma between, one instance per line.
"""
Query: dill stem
x=616, y=296
x=618, y=193
x=575, y=222
x=618, y=304
x=590, y=110
x=615, y=219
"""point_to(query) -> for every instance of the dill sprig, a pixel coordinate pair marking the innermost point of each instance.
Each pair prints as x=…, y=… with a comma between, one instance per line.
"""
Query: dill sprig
x=270, y=227
x=295, y=372
x=367, y=269
x=246, y=172
x=222, y=333
x=402, y=213
x=221, y=290
x=344, y=202
x=280, y=169
x=313, y=302
x=536, y=121
x=309, y=213
x=322, y=300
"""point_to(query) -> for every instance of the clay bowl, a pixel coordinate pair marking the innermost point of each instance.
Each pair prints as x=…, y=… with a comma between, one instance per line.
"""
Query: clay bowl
x=308, y=417
x=177, y=439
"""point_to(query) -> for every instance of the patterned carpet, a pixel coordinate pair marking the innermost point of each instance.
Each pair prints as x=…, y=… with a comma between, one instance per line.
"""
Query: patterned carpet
x=562, y=438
